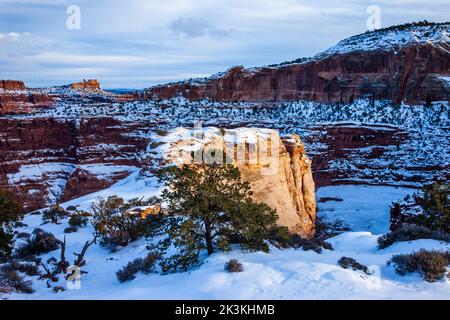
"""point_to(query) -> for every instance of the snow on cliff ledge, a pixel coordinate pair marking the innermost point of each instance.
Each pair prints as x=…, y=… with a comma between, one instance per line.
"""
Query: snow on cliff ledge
x=389, y=38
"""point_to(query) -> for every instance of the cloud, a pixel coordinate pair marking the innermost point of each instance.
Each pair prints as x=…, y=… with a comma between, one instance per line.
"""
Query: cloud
x=193, y=28
x=20, y=45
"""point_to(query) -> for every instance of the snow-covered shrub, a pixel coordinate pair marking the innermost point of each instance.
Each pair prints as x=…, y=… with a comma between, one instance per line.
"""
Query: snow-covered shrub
x=54, y=214
x=11, y=280
x=71, y=208
x=432, y=265
x=41, y=242
x=30, y=269
x=234, y=266
x=23, y=235
x=346, y=262
x=409, y=232
x=145, y=265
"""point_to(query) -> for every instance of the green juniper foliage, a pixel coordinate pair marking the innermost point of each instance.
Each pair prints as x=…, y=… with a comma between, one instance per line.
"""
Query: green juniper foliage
x=116, y=226
x=209, y=208
x=9, y=213
x=54, y=214
x=435, y=203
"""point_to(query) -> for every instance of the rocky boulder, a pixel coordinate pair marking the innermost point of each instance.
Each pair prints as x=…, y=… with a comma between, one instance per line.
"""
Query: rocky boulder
x=278, y=170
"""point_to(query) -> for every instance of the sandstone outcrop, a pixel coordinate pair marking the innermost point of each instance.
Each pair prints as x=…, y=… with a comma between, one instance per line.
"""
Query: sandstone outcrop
x=91, y=84
x=278, y=170
x=12, y=85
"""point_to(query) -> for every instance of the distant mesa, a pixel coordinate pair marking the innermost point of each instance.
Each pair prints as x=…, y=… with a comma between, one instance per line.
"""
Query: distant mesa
x=91, y=84
x=12, y=85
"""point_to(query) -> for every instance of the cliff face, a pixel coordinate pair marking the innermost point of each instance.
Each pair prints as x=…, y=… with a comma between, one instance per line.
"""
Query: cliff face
x=12, y=85
x=45, y=160
x=15, y=99
x=280, y=177
x=23, y=102
x=415, y=71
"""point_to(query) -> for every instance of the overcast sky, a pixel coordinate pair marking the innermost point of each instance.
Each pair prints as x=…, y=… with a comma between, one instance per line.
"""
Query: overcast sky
x=139, y=43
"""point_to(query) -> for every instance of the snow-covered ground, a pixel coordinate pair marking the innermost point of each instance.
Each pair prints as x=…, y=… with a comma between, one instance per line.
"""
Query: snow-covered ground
x=280, y=274
x=364, y=208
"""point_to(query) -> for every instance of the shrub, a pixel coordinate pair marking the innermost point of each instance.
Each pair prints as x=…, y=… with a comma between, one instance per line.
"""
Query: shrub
x=280, y=237
x=409, y=232
x=41, y=242
x=346, y=262
x=23, y=235
x=6, y=243
x=79, y=219
x=145, y=265
x=71, y=229
x=116, y=225
x=432, y=265
x=20, y=224
x=234, y=266
x=161, y=133
x=315, y=245
x=71, y=208
x=30, y=269
x=9, y=208
x=327, y=229
x=53, y=214
x=58, y=289
x=11, y=280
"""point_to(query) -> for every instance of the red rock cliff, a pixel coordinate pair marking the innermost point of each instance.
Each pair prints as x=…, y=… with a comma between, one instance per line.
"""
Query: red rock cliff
x=12, y=85
x=415, y=72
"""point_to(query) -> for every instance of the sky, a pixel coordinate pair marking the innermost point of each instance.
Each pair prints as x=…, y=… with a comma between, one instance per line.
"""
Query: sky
x=140, y=43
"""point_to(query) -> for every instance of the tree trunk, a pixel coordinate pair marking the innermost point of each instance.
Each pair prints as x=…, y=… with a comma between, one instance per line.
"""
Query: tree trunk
x=208, y=239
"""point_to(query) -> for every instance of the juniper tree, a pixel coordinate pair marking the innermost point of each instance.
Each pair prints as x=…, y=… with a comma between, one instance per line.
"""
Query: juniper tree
x=435, y=203
x=9, y=213
x=210, y=207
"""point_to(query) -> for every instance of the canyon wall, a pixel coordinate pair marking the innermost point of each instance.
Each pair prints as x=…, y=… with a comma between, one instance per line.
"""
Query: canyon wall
x=45, y=160
x=416, y=74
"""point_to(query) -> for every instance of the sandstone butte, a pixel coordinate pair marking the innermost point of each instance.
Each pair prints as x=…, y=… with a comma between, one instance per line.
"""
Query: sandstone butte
x=12, y=85
x=280, y=177
x=91, y=84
